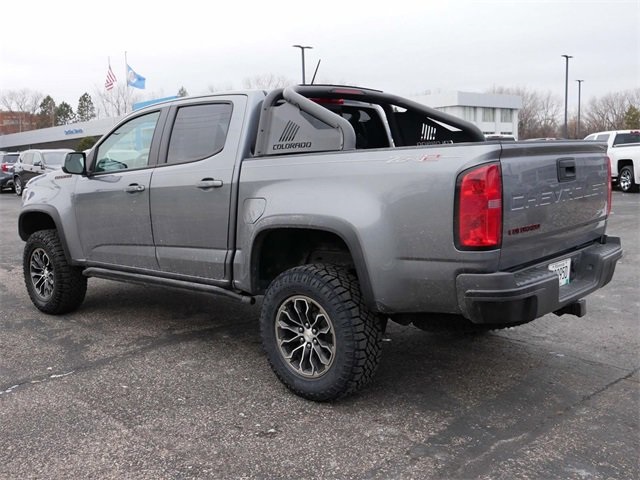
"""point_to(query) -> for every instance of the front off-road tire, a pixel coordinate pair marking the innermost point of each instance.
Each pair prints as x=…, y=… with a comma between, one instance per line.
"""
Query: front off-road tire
x=54, y=286
x=320, y=338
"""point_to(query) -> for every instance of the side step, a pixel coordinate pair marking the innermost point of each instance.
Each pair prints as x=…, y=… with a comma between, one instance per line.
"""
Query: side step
x=141, y=279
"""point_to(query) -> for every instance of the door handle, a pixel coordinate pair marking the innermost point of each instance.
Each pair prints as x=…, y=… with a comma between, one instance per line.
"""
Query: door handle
x=206, y=183
x=134, y=187
x=566, y=169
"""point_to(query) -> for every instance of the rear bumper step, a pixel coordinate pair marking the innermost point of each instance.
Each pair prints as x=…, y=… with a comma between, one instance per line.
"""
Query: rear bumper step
x=527, y=294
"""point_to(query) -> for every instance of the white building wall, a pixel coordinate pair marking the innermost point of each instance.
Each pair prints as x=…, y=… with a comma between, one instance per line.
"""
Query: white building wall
x=478, y=108
x=74, y=131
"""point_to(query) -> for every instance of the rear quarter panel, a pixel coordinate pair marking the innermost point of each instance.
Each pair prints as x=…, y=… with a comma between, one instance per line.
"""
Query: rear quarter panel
x=394, y=209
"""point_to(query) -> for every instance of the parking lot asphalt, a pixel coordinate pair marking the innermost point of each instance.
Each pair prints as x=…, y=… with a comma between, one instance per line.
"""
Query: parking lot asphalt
x=150, y=383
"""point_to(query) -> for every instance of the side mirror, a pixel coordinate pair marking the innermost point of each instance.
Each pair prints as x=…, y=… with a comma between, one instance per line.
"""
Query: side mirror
x=75, y=163
x=38, y=163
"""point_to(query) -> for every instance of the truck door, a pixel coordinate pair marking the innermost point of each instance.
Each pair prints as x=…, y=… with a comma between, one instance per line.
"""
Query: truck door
x=191, y=187
x=112, y=202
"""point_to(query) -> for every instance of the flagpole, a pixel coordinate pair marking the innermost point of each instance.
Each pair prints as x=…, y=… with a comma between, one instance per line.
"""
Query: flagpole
x=126, y=81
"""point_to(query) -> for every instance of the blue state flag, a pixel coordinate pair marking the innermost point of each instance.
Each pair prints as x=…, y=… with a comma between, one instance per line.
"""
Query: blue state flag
x=133, y=79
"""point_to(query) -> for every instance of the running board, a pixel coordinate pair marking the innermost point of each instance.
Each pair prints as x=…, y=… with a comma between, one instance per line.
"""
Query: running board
x=141, y=279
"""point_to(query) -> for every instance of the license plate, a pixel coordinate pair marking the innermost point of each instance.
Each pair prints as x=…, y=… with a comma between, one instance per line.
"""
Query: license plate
x=563, y=270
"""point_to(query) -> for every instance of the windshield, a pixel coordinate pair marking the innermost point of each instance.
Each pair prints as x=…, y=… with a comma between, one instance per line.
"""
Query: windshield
x=10, y=158
x=54, y=158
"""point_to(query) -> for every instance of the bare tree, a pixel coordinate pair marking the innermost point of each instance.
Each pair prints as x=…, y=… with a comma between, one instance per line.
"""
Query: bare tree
x=219, y=88
x=116, y=102
x=539, y=114
x=548, y=114
x=25, y=104
x=608, y=112
x=267, y=81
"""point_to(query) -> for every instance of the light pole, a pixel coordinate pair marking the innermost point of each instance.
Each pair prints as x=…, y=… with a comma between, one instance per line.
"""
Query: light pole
x=566, y=92
x=302, y=49
x=579, y=91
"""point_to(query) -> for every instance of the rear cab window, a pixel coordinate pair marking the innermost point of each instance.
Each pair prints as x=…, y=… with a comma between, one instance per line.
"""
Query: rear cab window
x=199, y=131
x=625, y=138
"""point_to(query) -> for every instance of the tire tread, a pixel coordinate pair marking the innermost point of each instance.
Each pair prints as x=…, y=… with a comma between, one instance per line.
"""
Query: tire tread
x=70, y=285
x=342, y=288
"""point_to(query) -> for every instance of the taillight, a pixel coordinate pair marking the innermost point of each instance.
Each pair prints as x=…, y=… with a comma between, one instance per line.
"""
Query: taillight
x=348, y=91
x=609, y=187
x=5, y=167
x=329, y=101
x=479, y=208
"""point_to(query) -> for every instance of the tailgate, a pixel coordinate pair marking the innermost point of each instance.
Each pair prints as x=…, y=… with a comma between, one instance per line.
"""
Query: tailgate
x=555, y=198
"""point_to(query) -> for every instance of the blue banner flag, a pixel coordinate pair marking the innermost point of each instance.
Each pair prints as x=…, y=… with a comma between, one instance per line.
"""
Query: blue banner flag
x=133, y=79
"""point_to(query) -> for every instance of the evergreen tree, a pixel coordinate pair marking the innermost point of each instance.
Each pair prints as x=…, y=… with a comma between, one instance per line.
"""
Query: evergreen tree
x=631, y=118
x=183, y=92
x=86, y=110
x=47, y=113
x=86, y=143
x=64, y=114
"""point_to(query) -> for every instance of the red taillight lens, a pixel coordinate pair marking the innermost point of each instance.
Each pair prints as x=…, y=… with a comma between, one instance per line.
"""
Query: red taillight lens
x=609, y=187
x=5, y=167
x=330, y=101
x=479, y=208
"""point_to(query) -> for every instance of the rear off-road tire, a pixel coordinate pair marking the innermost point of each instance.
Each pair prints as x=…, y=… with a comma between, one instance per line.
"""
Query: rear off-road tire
x=320, y=338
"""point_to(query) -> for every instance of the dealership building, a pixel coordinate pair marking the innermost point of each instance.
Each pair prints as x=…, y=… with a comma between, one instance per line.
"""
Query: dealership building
x=492, y=113
x=63, y=136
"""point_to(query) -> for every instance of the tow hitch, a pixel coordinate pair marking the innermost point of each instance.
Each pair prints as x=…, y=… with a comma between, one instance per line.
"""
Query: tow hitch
x=579, y=309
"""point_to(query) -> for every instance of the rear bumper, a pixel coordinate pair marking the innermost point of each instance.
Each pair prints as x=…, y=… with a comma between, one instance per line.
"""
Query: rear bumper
x=524, y=295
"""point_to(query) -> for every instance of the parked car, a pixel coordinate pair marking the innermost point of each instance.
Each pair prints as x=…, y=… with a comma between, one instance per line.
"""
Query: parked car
x=503, y=138
x=7, y=161
x=623, y=150
x=34, y=162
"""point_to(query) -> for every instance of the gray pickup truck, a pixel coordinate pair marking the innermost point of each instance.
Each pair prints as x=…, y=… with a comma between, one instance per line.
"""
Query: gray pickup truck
x=344, y=207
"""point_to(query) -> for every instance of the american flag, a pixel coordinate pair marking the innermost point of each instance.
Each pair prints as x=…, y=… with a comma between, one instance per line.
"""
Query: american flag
x=111, y=79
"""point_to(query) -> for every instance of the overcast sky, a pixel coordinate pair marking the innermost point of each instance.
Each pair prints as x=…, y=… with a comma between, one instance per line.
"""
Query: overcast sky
x=403, y=47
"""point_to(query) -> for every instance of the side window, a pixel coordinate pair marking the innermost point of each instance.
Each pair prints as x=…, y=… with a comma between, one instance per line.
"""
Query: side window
x=37, y=159
x=603, y=138
x=27, y=158
x=128, y=146
x=199, y=131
